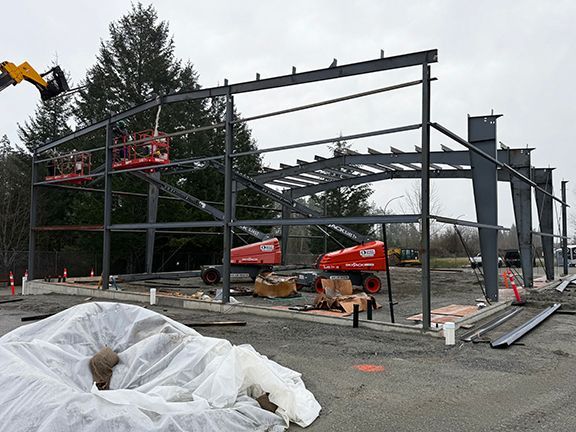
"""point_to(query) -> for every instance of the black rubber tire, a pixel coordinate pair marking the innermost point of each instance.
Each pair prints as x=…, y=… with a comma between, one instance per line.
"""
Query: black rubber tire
x=371, y=284
x=210, y=276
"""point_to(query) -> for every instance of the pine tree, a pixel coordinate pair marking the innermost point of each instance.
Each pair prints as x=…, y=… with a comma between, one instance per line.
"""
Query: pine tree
x=15, y=198
x=135, y=64
x=343, y=201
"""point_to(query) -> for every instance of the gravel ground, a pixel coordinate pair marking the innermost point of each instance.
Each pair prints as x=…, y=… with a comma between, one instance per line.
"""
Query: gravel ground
x=424, y=385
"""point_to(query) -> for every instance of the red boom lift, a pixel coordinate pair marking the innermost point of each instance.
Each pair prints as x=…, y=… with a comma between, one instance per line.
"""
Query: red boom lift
x=73, y=168
x=132, y=152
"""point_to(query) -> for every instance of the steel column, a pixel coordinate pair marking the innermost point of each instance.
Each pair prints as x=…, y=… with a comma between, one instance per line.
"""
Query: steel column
x=482, y=134
x=522, y=201
x=228, y=179
x=33, y=221
x=564, y=231
x=286, y=214
x=153, y=194
x=544, y=204
x=107, y=207
x=425, y=192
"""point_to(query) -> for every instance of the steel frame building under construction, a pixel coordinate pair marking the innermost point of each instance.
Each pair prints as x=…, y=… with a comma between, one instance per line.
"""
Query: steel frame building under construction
x=480, y=160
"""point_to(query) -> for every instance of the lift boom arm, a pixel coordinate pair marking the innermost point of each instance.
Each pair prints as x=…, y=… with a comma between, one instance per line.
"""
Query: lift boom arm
x=10, y=74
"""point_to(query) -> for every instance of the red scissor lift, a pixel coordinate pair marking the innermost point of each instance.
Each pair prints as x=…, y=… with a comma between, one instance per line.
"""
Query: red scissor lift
x=131, y=152
x=72, y=168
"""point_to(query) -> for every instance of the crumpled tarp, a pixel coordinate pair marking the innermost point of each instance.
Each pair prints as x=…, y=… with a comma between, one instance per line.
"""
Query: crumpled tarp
x=169, y=377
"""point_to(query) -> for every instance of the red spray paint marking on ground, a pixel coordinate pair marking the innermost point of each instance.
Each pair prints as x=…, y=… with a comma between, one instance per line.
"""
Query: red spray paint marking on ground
x=369, y=368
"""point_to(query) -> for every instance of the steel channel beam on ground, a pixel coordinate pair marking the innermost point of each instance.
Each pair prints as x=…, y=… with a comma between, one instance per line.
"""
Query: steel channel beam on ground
x=565, y=283
x=508, y=339
x=388, y=63
x=476, y=333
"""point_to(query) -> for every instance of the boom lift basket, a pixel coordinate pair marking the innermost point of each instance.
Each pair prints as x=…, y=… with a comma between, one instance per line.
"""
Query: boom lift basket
x=71, y=168
x=131, y=153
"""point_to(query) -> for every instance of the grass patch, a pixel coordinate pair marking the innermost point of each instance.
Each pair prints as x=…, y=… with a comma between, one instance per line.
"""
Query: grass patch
x=450, y=262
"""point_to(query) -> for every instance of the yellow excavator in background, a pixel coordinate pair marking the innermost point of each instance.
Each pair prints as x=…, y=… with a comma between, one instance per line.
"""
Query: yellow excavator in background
x=54, y=84
x=403, y=257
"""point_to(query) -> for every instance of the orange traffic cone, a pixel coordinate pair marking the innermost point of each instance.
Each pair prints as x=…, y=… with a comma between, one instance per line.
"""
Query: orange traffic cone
x=92, y=272
x=515, y=288
x=65, y=274
x=12, y=284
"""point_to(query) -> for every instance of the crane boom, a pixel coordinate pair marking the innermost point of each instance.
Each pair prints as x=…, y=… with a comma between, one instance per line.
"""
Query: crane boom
x=10, y=74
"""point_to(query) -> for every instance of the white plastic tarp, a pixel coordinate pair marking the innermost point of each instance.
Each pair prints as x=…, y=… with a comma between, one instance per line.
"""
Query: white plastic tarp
x=169, y=378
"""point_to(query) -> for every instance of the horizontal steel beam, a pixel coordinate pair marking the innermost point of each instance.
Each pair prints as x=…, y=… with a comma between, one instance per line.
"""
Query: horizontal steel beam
x=329, y=221
x=462, y=222
x=388, y=63
x=166, y=225
x=541, y=234
x=95, y=228
x=495, y=161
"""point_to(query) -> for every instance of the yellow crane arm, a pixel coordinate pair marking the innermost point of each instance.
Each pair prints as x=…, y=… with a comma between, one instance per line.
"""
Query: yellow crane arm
x=10, y=74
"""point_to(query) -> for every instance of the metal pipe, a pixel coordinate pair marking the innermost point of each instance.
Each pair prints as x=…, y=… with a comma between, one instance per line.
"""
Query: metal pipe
x=355, y=315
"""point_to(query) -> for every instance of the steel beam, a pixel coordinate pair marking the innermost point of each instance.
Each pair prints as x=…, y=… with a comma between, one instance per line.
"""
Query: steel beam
x=508, y=339
x=564, y=231
x=425, y=196
x=166, y=225
x=522, y=201
x=286, y=214
x=106, y=248
x=153, y=194
x=544, y=204
x=482, y=135
x=228, y=179
x=328, y=221
x=33, y=221
x=388, y=63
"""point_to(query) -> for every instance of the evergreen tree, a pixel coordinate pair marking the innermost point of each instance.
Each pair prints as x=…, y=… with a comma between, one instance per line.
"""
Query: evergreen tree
x=343, y=201
x=50, y=120
x=15, y=198
x=135, y=64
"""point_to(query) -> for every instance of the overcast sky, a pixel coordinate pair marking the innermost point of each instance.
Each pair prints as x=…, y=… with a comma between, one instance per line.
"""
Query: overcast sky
x=512, y=57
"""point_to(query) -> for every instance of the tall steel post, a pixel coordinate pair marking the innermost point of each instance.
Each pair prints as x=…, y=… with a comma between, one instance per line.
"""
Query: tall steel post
x=482, y=134
x=33, y=219
x=153, y=195
x=286, y=214
x=107, y=207
x=388, y=279
x=228, y=148
x=425, y=192
x=545, y=207
x=564, y=230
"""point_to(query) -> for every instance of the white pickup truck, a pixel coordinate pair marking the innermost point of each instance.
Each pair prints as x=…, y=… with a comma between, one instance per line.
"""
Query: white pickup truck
x=477, y=261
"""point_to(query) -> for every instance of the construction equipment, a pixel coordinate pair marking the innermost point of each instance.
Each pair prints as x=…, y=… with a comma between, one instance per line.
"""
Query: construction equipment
x=72, y=168
x=403, y=257
x=140, y=149
x=357, y=263
x=54, y=84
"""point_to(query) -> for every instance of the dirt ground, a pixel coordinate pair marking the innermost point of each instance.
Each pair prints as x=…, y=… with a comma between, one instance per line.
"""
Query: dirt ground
x=424, y=385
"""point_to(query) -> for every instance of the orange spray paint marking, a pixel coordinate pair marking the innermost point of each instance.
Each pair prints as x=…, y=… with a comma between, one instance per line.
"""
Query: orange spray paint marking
x=369, y=368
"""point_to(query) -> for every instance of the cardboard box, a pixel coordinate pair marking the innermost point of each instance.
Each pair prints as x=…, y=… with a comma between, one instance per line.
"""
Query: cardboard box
x=337, y=287
x=273, y=285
